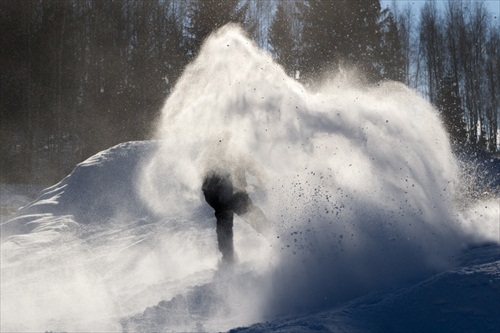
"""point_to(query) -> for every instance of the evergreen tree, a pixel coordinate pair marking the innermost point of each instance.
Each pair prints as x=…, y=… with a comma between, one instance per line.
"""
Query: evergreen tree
x=18, y=116
x=432, y=48
x=405, y=27
x=338, y=32
x=321, y=40
x=493, y=87
x=449, y=104
x=281, y=39
x=208, y=16
x=390, y=58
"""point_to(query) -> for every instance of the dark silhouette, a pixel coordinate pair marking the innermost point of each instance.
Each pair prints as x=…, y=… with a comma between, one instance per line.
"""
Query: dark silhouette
x=226, y=199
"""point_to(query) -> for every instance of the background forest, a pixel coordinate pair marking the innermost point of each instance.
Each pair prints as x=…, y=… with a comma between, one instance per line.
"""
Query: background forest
x=79, y=76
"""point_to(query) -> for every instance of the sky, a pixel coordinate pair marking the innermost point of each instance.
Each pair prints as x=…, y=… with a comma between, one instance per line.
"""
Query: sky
x=492, y=5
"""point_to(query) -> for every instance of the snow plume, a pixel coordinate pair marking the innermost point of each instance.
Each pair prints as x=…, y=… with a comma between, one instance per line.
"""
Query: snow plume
x=359, y=184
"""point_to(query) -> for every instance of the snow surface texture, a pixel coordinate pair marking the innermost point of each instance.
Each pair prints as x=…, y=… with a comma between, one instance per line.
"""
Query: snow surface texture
x=464, y=299
x=360, y=184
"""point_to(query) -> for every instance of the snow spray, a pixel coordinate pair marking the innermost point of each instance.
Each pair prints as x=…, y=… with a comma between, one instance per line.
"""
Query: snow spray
x=359, y=183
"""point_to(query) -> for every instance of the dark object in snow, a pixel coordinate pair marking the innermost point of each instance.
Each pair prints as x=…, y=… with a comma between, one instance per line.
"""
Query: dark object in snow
x=226, y=200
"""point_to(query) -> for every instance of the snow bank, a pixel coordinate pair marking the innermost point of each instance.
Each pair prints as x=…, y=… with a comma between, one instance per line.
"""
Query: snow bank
x=87, y=251
x=97, y=190
x=105, y=185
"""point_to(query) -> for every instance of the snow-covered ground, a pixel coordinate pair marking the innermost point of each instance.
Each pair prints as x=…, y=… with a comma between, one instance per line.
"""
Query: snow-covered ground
x=374, y=226
x=463, y=299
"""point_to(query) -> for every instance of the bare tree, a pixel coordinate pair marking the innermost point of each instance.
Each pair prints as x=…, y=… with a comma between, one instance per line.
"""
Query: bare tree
x=283, y=37
x=406, y=26
x=492, y=106
x=432, y=47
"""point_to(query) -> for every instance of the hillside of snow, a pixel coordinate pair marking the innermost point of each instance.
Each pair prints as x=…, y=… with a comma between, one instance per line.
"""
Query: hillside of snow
x=375, y=225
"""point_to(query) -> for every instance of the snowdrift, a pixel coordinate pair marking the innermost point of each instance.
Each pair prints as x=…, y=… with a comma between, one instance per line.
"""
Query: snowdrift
x=360, y=184
x=97, y=190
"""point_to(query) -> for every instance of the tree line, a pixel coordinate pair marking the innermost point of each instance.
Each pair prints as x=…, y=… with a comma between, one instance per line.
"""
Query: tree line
x=79, y=76
x=459, y=66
